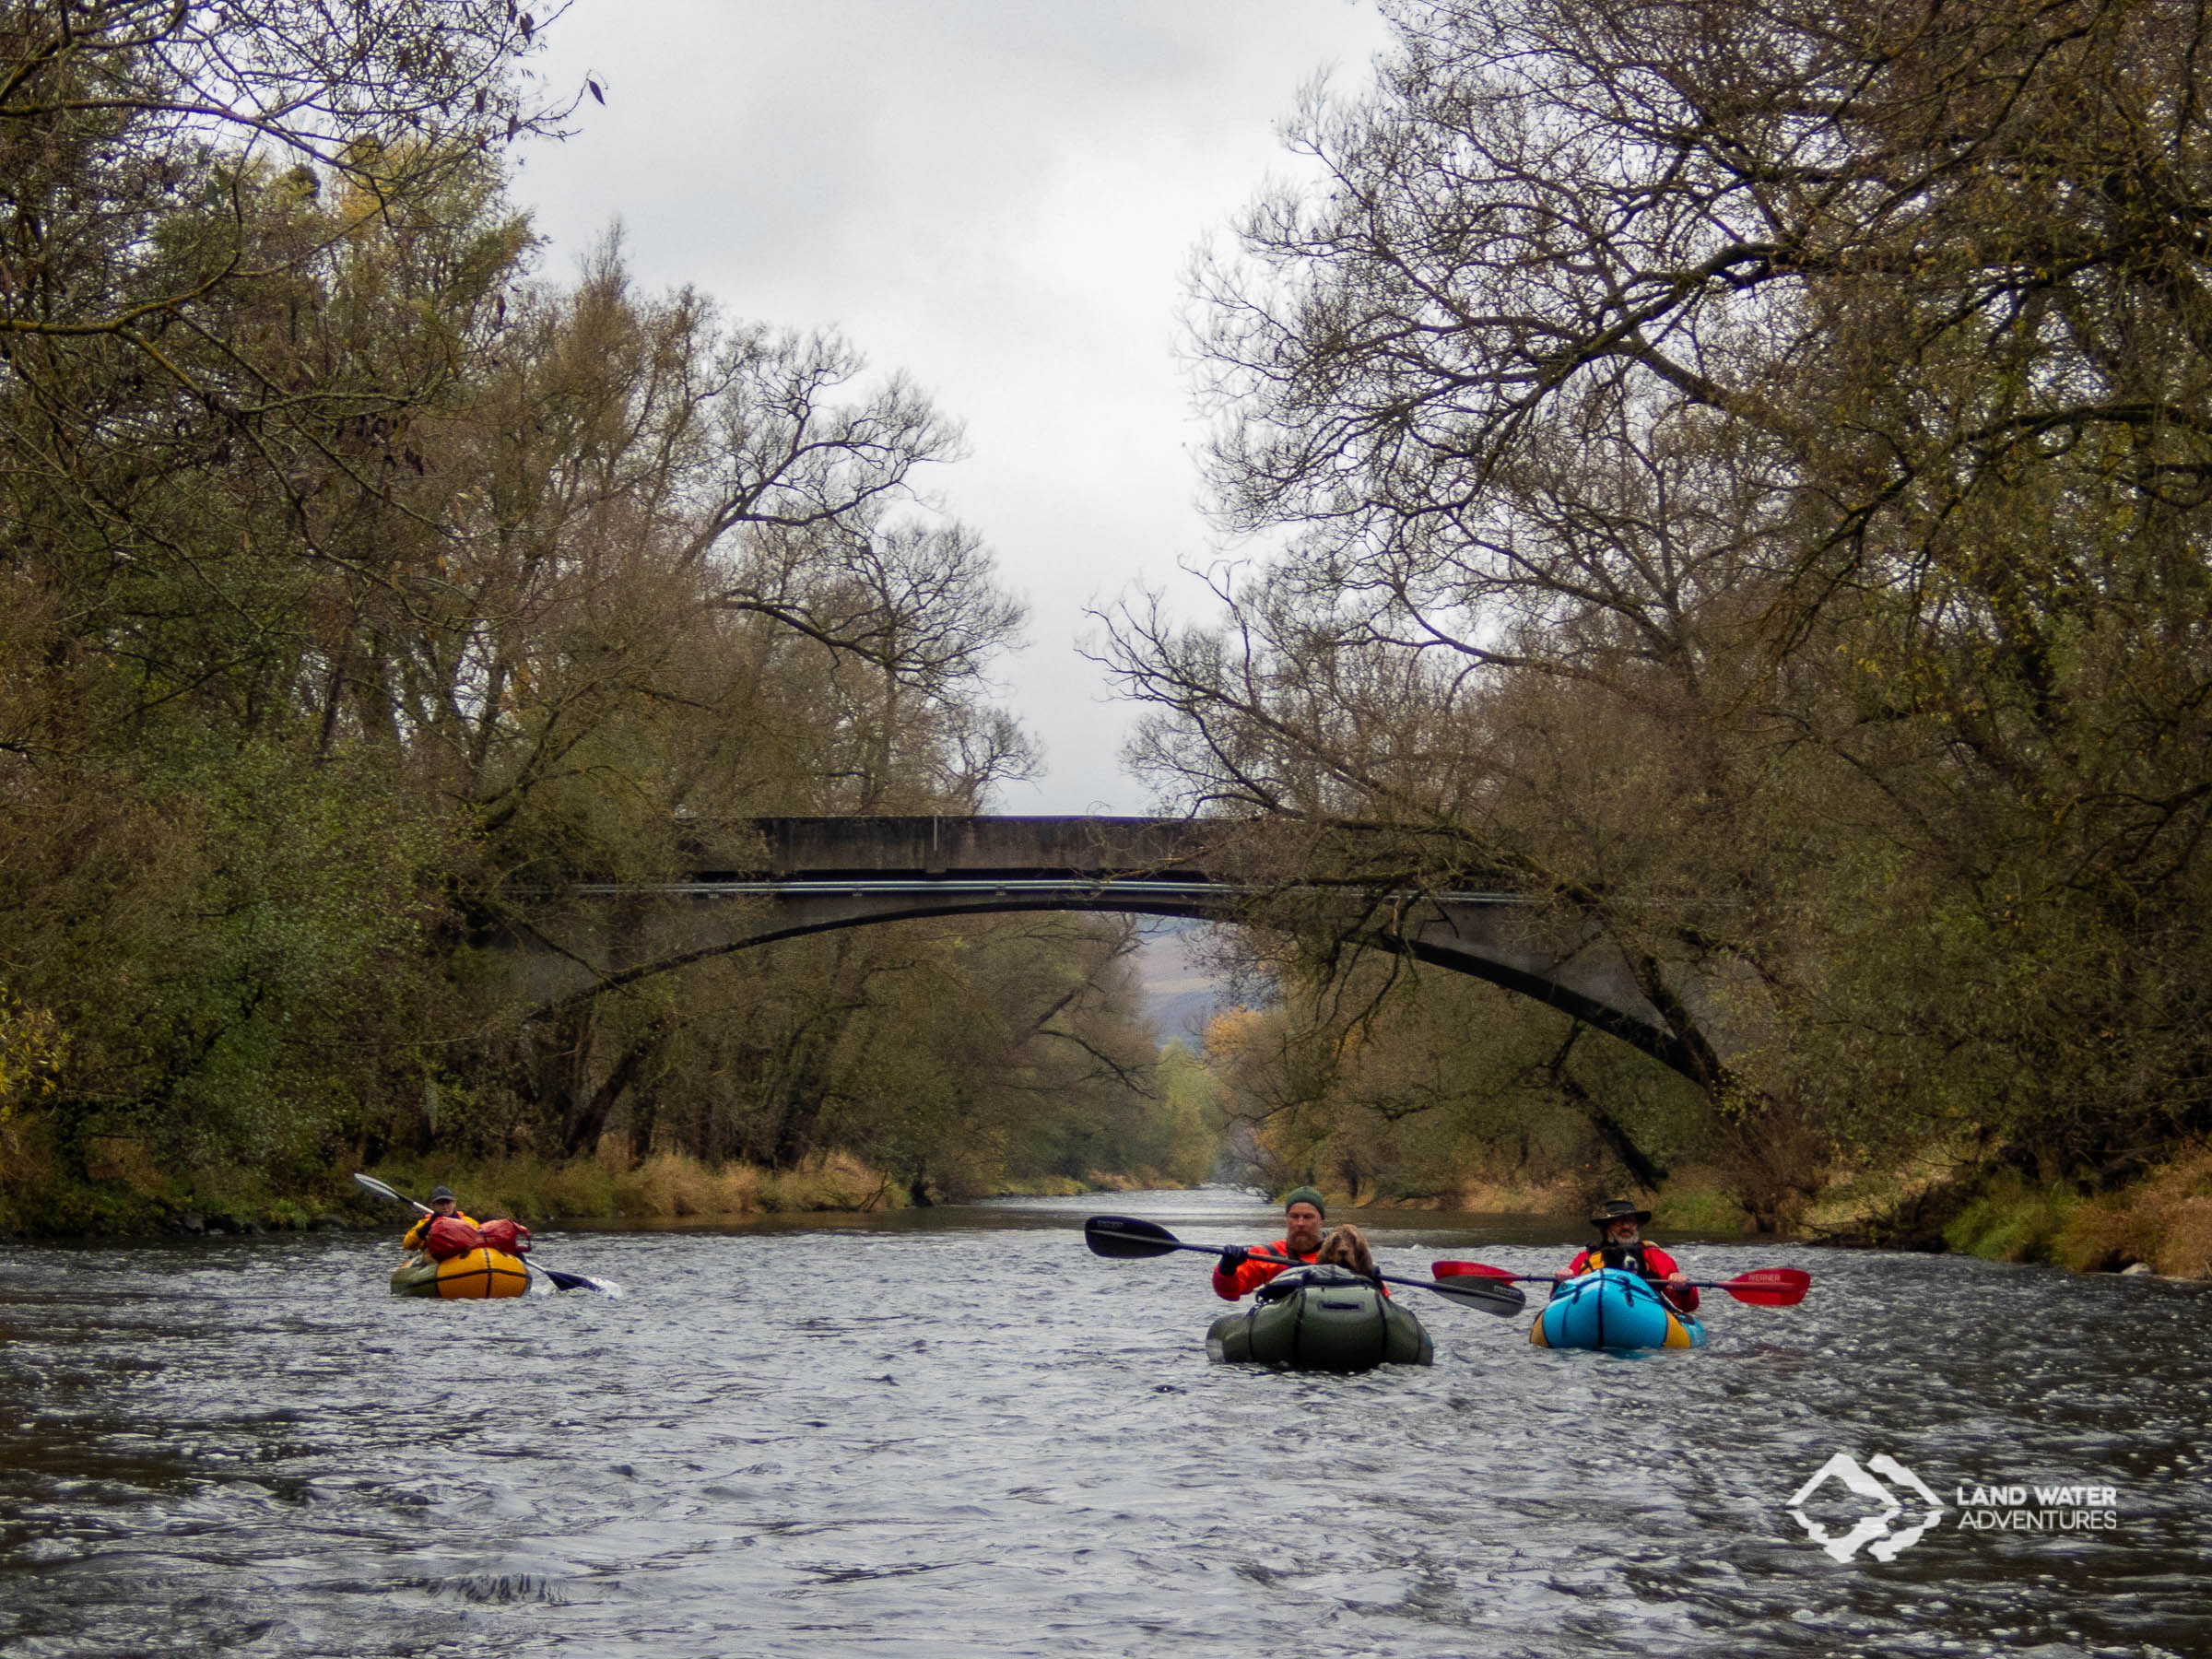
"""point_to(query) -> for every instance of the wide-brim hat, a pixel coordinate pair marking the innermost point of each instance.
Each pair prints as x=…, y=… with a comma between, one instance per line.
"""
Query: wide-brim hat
x=439, y=1192
x=1619, y=1209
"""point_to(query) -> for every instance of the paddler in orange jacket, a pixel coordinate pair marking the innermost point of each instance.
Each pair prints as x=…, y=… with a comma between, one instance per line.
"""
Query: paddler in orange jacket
x=443, y=1203
x=1240, y=1271
x=1620, y=1228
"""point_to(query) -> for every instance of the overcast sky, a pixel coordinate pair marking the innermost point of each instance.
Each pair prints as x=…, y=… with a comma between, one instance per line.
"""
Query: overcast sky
x=999, y=196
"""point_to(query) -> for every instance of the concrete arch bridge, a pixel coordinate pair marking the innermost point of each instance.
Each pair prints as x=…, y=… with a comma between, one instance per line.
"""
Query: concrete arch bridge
x=752, y=882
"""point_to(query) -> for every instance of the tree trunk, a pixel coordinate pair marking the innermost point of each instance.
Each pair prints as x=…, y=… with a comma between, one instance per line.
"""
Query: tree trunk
x=582, y=1129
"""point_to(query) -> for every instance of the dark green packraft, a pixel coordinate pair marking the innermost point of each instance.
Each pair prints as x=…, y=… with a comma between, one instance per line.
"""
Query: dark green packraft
x=1321, y=1319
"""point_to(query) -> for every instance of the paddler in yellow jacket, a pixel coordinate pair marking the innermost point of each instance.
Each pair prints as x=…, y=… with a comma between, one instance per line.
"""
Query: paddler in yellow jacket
x=443, y=1203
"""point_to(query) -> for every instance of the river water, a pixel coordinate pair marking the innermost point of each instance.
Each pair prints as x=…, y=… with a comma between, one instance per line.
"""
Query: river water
x=955, y=1431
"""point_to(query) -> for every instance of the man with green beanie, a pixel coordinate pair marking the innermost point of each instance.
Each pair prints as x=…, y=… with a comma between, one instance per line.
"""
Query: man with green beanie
x=1241, y=1270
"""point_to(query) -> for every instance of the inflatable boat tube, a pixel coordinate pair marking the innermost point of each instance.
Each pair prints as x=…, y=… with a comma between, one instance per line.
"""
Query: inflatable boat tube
x=1320, y=1319
x=471, y=1276
x=1613, y=1309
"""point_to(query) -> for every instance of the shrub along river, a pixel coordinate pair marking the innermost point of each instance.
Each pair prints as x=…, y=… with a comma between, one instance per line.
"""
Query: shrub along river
x=955, y=1431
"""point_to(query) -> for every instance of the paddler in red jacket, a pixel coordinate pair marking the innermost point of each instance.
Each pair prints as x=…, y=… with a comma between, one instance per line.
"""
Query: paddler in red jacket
x=1240, y=1270
x=1620, y=1228
x=443, y=1203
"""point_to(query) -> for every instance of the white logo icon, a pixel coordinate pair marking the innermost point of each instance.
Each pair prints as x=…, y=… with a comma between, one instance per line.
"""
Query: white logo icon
x=1842, y=1466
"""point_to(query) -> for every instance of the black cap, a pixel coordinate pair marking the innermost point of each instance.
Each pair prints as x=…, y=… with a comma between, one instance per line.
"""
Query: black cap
x=441, y=1192
x=1619, y=1209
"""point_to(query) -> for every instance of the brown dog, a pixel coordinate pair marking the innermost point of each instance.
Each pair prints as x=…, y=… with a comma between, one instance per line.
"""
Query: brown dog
x=1347, y=1247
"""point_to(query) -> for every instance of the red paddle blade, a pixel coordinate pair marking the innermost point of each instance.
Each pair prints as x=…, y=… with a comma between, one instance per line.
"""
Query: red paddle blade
x=1762, y=1287
x=1770, y=1287
x=1469, y=1270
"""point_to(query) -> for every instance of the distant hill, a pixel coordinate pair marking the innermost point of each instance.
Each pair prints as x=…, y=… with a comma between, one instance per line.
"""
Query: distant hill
x=1180, y=995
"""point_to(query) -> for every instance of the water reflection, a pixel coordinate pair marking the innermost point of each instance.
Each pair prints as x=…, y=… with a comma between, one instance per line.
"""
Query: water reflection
x=955, y=1431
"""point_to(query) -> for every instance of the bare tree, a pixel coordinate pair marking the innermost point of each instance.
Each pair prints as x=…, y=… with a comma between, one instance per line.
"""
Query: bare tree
x=1742, y=469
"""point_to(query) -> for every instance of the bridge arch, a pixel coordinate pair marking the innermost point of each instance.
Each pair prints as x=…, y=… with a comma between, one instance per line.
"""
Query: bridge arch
x=770, y=879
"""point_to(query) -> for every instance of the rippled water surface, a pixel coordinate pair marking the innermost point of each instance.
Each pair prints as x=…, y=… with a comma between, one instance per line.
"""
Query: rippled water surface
x=958, y=1432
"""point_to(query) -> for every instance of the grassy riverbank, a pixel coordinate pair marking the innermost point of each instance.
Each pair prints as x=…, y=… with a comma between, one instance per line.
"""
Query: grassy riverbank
x=1694, y=1201
x=666, y=1186
x=2161, y=1220
x=116, y=1189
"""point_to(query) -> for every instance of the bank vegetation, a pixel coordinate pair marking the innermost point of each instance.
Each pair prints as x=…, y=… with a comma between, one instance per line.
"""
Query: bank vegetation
x=1738, y=472
x=364, y=588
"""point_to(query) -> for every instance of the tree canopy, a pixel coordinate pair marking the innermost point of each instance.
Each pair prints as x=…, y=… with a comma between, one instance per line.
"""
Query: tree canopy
x=1742, y=470
x=366, y=590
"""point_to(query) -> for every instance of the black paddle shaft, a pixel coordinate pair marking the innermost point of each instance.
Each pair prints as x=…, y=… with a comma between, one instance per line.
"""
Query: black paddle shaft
x=1127, y=1238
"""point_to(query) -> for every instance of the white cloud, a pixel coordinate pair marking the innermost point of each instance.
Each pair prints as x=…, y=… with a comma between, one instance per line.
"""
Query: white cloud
x=997, y=197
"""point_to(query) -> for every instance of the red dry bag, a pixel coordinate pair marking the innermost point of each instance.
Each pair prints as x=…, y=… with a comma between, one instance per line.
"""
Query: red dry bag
x=509, y=1236
x=450, y=1236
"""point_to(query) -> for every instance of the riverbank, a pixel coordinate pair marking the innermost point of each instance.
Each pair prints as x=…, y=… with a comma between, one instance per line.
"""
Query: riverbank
x=121, y=1192
x=1694, y=1201
x=2161, y=1221
x=665, y=1187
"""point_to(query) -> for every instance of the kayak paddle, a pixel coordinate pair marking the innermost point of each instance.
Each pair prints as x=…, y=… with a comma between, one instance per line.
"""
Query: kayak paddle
x=1127, y=1238
x=562, y=1281
x=1762, y=1287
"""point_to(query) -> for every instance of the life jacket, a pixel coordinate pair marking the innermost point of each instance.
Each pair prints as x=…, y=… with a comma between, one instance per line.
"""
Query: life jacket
x=1253, y=1273
x=1646, y=1261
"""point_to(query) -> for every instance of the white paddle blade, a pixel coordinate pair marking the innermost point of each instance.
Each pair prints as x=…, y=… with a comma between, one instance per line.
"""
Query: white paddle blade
x=370, y=1183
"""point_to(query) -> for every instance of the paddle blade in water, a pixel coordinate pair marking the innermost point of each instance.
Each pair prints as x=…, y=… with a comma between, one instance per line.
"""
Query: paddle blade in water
x=1126, y=1237
x=546, y=1285
x=576, y=1281
x=1768, y=1286
x=571, y=1281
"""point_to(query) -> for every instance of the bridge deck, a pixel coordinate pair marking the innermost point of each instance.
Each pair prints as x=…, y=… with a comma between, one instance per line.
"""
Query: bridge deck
x=938, y=846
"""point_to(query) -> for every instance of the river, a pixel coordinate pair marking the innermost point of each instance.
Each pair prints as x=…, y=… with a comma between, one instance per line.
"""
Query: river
x=955, y=1431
